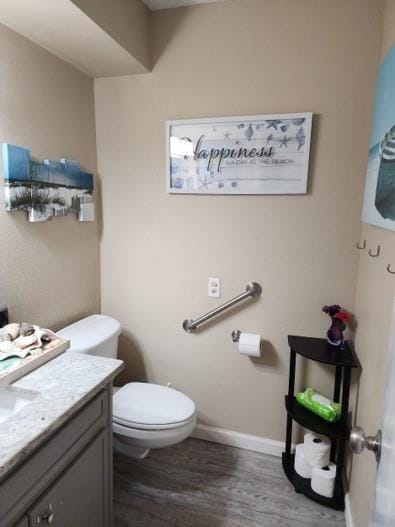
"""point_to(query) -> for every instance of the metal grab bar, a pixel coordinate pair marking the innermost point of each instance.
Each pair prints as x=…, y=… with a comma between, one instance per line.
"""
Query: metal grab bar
x=252, y=290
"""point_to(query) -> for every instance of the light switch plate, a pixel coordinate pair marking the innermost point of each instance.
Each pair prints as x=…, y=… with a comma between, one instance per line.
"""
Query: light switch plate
x=214, y=287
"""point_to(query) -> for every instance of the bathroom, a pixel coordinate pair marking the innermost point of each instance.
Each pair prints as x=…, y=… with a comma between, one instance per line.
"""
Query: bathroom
x=97, y=82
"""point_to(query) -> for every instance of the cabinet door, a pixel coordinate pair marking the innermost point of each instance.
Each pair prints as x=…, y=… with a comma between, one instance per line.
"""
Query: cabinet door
x=22, y=522
x=80, y=497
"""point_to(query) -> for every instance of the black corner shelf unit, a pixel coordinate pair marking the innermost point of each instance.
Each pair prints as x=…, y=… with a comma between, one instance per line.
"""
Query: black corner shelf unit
x=343, y=361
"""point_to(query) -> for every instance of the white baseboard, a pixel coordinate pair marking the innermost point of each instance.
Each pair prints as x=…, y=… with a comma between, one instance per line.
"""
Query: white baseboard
x=238, y=440
x=347, y=511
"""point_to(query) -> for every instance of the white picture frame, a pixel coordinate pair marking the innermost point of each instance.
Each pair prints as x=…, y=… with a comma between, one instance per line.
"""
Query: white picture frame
x=255, y=154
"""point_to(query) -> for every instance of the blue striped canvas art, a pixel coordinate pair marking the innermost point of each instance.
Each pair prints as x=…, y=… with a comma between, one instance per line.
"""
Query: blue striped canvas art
x=45, y=189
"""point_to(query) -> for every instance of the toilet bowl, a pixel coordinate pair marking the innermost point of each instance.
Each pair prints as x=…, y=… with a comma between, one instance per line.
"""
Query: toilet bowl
x=149, y=416
x=145, y=415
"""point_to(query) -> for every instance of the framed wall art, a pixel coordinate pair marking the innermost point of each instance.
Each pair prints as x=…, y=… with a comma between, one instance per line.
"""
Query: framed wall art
x=260, y=154
x=46, y=189
x=379, y=198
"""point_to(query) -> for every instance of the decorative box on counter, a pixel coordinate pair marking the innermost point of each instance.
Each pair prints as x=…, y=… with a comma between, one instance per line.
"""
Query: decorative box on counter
x=25, y=347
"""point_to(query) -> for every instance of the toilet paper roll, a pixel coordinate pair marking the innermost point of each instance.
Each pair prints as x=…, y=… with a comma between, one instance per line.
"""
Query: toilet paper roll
x=302, y=466
x=323, y=480
x=250, y=344
x=317, y=449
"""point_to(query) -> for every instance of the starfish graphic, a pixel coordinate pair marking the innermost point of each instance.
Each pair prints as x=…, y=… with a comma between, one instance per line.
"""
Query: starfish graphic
x=204, y=183
x=284, y=141
x=273, y=123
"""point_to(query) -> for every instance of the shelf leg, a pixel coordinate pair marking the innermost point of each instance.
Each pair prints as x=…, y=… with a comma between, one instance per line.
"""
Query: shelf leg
x=338, y=382
x=341, y=443
x=291, y=390
x=336, y=398
x=288, y=441
x=292, y=369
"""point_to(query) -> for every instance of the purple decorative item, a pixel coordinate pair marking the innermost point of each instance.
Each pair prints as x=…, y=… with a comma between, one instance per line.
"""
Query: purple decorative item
x=339, y=318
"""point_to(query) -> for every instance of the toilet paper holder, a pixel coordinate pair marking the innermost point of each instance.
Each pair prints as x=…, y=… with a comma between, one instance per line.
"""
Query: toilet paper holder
x=236, y=335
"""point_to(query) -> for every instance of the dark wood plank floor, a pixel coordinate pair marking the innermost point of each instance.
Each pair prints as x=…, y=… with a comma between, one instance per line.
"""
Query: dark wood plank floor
x=202, y=484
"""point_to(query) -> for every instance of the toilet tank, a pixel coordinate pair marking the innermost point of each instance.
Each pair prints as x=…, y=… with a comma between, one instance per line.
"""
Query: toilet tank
x=95, y=335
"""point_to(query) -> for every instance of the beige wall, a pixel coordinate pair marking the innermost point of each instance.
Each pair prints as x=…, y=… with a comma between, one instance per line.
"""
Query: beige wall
x=238, y=58
x=49, y=273
x=127, y=21
x=373, y=307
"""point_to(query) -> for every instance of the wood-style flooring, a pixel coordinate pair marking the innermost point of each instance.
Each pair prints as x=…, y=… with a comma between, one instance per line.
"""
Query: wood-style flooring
x=202, y=484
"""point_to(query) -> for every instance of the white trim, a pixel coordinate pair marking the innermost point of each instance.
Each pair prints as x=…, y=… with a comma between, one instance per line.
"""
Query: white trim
x=239, y=440
x=347, y=511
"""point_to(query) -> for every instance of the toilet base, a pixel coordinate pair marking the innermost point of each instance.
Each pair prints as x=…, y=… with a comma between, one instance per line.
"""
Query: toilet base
x=137, y=443
x=124, y=447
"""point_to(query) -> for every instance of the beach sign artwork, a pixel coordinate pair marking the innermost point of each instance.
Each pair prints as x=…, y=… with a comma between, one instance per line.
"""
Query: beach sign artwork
x=379, y=198
x=258, y=154
x=46, y=189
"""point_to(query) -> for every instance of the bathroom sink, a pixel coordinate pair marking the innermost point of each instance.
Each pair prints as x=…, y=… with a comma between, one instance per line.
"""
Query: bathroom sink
x=12, y=400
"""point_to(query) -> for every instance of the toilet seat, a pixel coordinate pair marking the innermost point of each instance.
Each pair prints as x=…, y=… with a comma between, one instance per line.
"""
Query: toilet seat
x=144, y=406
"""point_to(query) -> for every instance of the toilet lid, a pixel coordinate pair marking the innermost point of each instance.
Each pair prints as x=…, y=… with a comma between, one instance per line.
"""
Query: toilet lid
x=151, y=404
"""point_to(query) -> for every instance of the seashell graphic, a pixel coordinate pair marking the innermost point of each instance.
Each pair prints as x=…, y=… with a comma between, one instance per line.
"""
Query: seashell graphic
x=249, y=132
x=300, y=138
x=239, y=126
x=284, y=127
x=298, y=122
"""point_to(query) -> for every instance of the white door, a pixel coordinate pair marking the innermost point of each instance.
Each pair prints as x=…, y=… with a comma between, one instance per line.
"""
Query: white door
x=383, y=507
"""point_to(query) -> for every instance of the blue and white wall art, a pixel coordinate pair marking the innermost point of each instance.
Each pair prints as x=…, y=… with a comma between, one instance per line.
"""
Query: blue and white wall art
x=46, y=189
x=379, y=199
x=261, y=154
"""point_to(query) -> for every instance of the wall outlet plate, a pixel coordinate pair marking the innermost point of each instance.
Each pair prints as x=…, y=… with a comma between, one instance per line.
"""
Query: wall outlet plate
x=214, y=287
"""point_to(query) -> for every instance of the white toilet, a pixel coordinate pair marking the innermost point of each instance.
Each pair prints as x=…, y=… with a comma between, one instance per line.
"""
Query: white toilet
x=145, y=415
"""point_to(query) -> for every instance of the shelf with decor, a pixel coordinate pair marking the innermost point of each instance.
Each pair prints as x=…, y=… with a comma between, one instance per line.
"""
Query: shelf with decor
x=343, y=361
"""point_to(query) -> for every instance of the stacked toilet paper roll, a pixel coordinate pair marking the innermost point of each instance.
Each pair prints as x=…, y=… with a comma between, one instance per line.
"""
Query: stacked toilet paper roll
x=312, y=460
x=323, y=480
x=302, y=466
x=317, y=449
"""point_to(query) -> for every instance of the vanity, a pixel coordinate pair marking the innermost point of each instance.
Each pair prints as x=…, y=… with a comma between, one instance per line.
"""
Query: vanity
x=56, y=444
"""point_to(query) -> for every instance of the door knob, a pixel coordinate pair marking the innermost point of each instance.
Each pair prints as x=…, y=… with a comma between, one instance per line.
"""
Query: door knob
x=359, y=441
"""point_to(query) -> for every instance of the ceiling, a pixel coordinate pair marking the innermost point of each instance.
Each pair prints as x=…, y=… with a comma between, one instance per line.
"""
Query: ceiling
x=168, y=4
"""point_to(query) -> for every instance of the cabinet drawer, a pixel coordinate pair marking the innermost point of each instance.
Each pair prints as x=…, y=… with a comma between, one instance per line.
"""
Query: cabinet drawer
x=79, y=497
x=30, y=479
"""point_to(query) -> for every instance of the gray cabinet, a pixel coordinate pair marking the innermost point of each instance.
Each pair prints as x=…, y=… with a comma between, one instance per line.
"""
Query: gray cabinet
x=67, y=481
x=22, y=523
x=78, y=496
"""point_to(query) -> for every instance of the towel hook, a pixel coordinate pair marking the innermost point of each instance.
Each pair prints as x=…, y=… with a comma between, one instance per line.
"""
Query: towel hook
x=361, y=248
x=377, y=252
x=389, y=269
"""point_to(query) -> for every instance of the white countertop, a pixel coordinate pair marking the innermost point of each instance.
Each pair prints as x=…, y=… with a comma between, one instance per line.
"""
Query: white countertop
x=63, y=385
